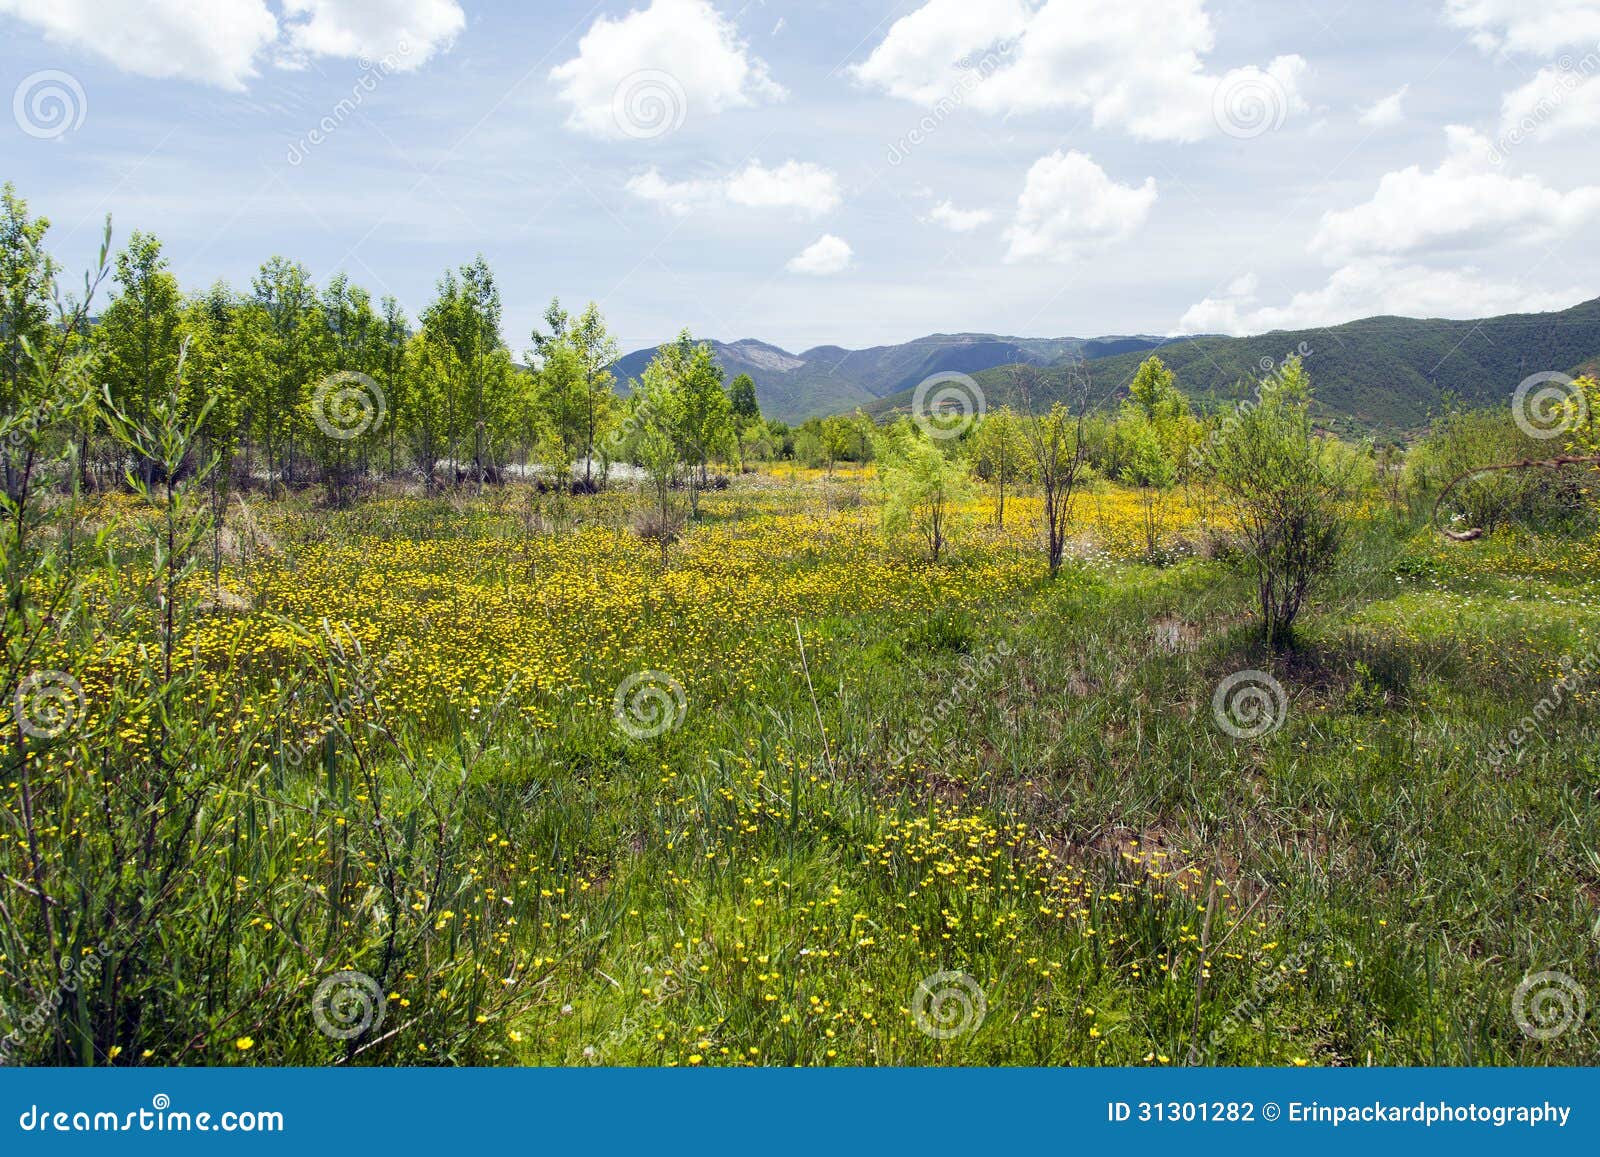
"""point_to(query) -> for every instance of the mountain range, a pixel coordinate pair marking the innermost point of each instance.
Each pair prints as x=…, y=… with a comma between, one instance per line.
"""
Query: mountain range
x=832, y=380
x=1379, y=374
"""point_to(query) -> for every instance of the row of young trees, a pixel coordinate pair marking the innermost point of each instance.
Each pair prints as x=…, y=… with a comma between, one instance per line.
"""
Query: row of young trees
x=299, y=384
x=1282, y=488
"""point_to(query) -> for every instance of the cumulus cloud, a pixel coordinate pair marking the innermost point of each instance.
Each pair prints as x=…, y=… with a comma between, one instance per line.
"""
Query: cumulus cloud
x=220, y=42
x=1371, y=287
x=959, y=220
x=824, y=256
x=1524, y=25
x=404, y=32
x=693, y=54
x=1465, y=203
x=1069, y=207
x=798, y=185
x=792, y=185
x=1135, y=65
x=1556, y=102
x=1388, y=111
x=678, y=197
x=211, y=41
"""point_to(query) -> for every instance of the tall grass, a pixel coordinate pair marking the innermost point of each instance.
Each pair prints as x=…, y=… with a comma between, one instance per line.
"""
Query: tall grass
x=304, y=829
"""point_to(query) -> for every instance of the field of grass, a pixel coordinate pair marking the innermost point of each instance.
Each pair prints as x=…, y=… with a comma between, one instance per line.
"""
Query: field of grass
x=479, y=779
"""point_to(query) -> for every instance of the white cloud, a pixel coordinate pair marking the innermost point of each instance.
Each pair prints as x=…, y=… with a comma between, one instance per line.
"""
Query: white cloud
x=1536, y=26
x=1556, y=102
x=799, y=185
x=1387, y=111
x=1069, y=206
x=682, y=55
x=679, y=197
x=824, y=256
x=404, y=32
x=1376, y=286
x=211, y=41
x=1463, y=204
x=959, y=220
x=1243, y=286
x=219, y=42
x=1136, y=65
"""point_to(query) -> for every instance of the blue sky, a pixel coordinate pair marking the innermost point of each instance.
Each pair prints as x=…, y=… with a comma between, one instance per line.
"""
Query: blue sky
x=840, y=173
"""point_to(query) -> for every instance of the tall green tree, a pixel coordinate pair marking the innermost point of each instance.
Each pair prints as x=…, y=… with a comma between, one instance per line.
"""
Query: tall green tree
x=294, y=352
x=465, y=316
x=596, y=349
x=1154, y=391
x=139, y=338
x=30, y=344
x=701, y=415
x=435, y=373
x=392, y=371
x=348, y=406
x=742, y=398
x=576, y=389
x=27, y=279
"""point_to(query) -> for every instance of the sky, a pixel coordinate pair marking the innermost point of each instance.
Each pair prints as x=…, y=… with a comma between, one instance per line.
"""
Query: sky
x=842, y=172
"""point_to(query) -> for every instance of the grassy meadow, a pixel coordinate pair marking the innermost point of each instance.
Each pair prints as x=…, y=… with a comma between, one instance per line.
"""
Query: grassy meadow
x=487, y=781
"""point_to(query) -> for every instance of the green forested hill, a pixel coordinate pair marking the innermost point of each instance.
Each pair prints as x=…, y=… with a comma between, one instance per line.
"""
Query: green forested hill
x=1386, y=374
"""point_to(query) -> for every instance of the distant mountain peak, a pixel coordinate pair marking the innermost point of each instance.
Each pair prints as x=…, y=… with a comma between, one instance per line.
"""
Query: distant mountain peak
x=832, y=379
x=765, y=356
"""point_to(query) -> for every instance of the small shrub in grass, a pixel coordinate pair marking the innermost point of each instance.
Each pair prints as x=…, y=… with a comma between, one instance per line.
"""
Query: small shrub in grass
x=658, y=525
x=1283, y=488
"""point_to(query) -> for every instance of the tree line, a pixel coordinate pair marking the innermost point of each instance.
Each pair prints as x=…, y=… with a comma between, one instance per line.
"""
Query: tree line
x=291, y=384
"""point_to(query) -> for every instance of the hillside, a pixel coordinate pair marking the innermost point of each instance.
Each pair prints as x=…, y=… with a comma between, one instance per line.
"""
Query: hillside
x=831, y=379
x=1381, y=374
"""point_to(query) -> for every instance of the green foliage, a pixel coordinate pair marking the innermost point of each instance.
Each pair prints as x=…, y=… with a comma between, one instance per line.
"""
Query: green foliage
x=1058, y=446
x=1454, y=454
x=140, y=333
x=742, y=397
x=1000, y=455
x=687, y=404
x=1282, y=488
x=574, y=397
x=923, y=489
